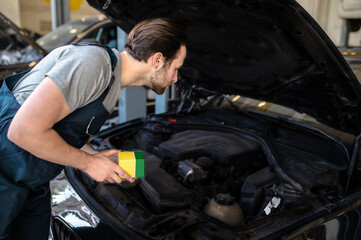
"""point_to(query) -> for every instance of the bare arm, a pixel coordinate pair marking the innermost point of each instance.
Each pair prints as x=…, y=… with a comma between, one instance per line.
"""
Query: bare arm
x=31, y=129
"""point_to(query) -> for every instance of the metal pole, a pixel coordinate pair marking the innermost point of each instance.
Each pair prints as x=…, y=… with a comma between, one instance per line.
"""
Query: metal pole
x=345, y=33
x=60, y=12
x=161, y=102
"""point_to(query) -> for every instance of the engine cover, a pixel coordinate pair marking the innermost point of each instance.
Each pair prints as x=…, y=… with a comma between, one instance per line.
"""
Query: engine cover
x=224, y=148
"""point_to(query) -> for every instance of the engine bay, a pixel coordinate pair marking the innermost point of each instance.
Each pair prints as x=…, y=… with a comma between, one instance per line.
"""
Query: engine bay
x=201, y=176
x=14, y=49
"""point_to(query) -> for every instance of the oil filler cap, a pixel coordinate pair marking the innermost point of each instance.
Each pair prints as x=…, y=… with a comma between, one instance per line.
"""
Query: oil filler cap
x=224, y=199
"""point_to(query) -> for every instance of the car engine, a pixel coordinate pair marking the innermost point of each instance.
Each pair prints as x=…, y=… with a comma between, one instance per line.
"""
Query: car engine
x=199, y=176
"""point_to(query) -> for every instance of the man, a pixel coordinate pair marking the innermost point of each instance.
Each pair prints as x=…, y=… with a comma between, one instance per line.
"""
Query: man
x=48, y=114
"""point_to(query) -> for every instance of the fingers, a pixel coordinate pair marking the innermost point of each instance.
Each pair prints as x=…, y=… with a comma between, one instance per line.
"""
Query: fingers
x=114, y=172
x=124, y=174
x=110, y=180
x=116, y=178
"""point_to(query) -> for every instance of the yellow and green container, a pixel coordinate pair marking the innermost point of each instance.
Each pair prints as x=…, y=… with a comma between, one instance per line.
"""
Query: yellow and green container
x=132, y=163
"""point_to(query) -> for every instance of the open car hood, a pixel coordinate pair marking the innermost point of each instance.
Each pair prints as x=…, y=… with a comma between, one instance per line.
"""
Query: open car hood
x=6, y=24
x=270, y=50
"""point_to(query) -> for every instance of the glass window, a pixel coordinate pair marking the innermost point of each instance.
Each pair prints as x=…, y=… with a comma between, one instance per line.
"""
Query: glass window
x=65, y=33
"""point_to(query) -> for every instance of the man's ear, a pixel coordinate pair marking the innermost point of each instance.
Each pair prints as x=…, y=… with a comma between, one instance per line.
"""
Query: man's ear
x=157, y=60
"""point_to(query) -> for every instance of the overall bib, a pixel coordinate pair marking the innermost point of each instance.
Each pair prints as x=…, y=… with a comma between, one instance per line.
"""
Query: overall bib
x=24, y=178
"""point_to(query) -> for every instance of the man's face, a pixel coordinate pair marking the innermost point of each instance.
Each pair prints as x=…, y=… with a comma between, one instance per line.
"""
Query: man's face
x=162, y=78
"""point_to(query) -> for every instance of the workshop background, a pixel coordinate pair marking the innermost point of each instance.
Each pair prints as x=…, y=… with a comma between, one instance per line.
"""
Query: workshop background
x=35, y=15
x=239, y=143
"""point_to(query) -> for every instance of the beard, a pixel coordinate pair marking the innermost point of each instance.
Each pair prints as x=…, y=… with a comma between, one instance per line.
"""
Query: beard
x=157, y=80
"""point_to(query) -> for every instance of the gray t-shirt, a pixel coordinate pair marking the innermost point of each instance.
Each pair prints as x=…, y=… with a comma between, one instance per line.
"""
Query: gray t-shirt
x=81, y=72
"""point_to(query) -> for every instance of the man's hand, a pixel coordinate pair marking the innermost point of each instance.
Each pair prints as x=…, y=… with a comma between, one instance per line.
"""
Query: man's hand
x=102, y=169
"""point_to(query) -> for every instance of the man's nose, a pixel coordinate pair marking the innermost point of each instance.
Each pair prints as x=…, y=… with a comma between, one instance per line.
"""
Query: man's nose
x=175, y=77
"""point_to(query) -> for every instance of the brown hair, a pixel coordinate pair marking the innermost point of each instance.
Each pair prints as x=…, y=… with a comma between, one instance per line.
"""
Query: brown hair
x=155, y=35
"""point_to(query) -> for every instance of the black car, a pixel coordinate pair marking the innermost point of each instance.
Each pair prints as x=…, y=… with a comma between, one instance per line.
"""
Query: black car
x=264, y=143
x=18, y=50
x=97, y=29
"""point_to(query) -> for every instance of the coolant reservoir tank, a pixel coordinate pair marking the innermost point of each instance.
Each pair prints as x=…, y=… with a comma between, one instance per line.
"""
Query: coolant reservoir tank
x=224, y=208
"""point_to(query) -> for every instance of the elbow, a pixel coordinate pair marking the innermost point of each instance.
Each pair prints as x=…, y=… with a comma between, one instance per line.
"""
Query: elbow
x=13, y=134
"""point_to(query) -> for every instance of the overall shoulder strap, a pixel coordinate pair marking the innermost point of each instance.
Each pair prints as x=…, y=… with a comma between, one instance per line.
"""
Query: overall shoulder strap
x=13, y=79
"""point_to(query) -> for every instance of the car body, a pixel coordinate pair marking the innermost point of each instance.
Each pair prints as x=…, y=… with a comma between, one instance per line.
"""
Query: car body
x=25, y=51
x=264, y=143
x=18, y=51
x=97, y=29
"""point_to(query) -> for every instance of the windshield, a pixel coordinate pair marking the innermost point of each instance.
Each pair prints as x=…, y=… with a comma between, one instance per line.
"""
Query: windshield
x=65, y=33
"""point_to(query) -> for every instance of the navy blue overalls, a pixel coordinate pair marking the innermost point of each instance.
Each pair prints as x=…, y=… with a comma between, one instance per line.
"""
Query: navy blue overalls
x=24, y=178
